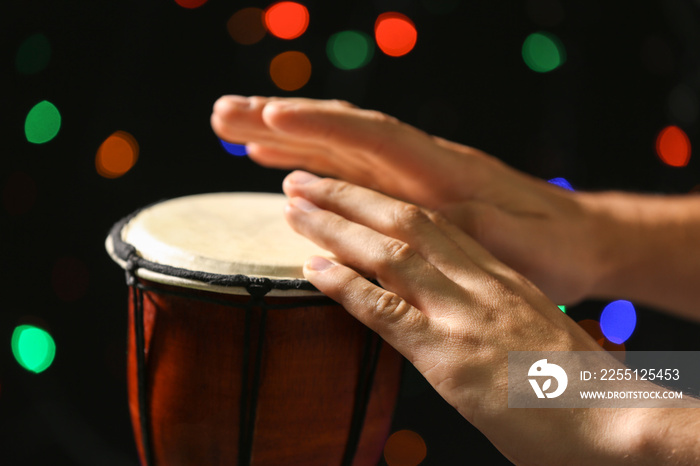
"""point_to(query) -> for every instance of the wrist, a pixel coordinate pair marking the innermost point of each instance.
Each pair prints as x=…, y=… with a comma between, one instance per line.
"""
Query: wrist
x=613, y=229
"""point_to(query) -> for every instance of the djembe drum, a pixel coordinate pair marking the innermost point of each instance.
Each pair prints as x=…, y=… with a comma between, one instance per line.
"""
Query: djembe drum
x=234, y=358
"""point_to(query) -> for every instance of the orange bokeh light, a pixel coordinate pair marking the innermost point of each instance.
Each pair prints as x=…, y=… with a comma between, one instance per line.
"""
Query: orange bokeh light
x=287, y=20
x=405, y=448
x=190, y=3
x=290, y=70
x=246, y=26
x=116, y=155
x=673, y=146
x=395, y=33
x=592, y=327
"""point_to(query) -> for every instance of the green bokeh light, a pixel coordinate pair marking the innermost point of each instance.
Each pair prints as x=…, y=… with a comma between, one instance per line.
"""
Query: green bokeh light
x=349, y=50
x=33, y=54
x=33, y=348
x=543, y=52
x=563, y=309
x=42, y=123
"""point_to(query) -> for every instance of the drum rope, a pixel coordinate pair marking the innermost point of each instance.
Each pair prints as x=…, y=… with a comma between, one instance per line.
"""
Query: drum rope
x=140, y=340
x=247, y=429
x=370, y=359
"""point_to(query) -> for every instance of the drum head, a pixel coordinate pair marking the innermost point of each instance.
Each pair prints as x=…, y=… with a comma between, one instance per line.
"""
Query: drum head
x=221, y=234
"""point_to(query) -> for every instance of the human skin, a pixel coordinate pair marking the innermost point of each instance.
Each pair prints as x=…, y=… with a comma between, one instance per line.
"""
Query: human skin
x=455, y=308
x=454, y=311
x=571, y=245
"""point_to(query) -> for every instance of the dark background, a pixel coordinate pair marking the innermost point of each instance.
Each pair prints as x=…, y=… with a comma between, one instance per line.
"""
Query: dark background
x=154, y=69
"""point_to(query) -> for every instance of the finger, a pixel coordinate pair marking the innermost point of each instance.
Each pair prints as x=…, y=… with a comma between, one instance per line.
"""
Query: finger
x=401, y=325
x=239, y=119
x=315, y=159
x=396, y=266
x=385, y=215
x=366, y=130
x=289, y=158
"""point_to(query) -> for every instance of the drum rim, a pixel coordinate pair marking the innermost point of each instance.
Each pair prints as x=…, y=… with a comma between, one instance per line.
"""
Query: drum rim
x=127, y=256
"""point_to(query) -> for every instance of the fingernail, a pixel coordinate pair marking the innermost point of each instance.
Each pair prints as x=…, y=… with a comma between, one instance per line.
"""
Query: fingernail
x=318, y=264
x=303, y=204
x=230, y=102
x=301, y=177
x=279, y=106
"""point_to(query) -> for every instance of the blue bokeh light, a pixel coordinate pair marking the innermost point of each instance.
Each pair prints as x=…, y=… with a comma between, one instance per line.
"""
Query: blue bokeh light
x=618, y=321
x=562, y=183
x=234, y=149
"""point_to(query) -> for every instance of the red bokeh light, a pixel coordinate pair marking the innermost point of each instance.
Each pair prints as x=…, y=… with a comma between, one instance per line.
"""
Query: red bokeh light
x=287, y=20
x=395, y=33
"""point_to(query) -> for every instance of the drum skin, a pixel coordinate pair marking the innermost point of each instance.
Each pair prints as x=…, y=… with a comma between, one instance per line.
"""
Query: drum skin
x=310, y=367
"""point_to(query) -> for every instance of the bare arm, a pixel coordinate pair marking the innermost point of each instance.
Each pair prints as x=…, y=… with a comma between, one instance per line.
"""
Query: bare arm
x=455, y=311
x=649, y=249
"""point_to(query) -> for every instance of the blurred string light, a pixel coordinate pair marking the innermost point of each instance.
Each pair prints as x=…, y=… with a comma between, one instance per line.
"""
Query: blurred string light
x=287, y=20
x=405, y=448
x=395, y=34
x=69, y=278
x=33, y=348
x=33, y=54
x=592, y=327
x=543, y=52
x=440, y=7
x=673, y=146
x=290, y=70
x=618, y=320
x=19, y=193
x=234, y=149
x=191, y=4
x=562, y=183
x=42, y=123
x=349, y=50
x=116, y=155
x=247, y=26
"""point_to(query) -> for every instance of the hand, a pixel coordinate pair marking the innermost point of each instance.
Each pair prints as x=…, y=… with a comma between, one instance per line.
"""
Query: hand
x=453, y=310
x=542, y=231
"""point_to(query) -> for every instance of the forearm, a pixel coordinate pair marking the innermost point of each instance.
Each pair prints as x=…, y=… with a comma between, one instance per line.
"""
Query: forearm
x=648, y=248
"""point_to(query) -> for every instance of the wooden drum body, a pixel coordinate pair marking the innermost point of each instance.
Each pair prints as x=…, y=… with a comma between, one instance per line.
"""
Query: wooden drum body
x=233, y=357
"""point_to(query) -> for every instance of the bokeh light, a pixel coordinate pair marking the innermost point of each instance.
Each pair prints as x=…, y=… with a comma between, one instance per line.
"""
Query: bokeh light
x=543, y=52
x=33, y=348
x=69, y=278
x=42, y=123
x=116, y=155
x=19, y=193
x=405, y=448
x=562, y=308
x=618, y=320
x=287, y=20
x=234, y=149
x=290, y=70
x=617, y=351
x=592, y=327
x=395, y=34
x=33, y=54
x=673, y=146
x=562, y=183
x=190, y=3
x=349, y=50
x=247, y=26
